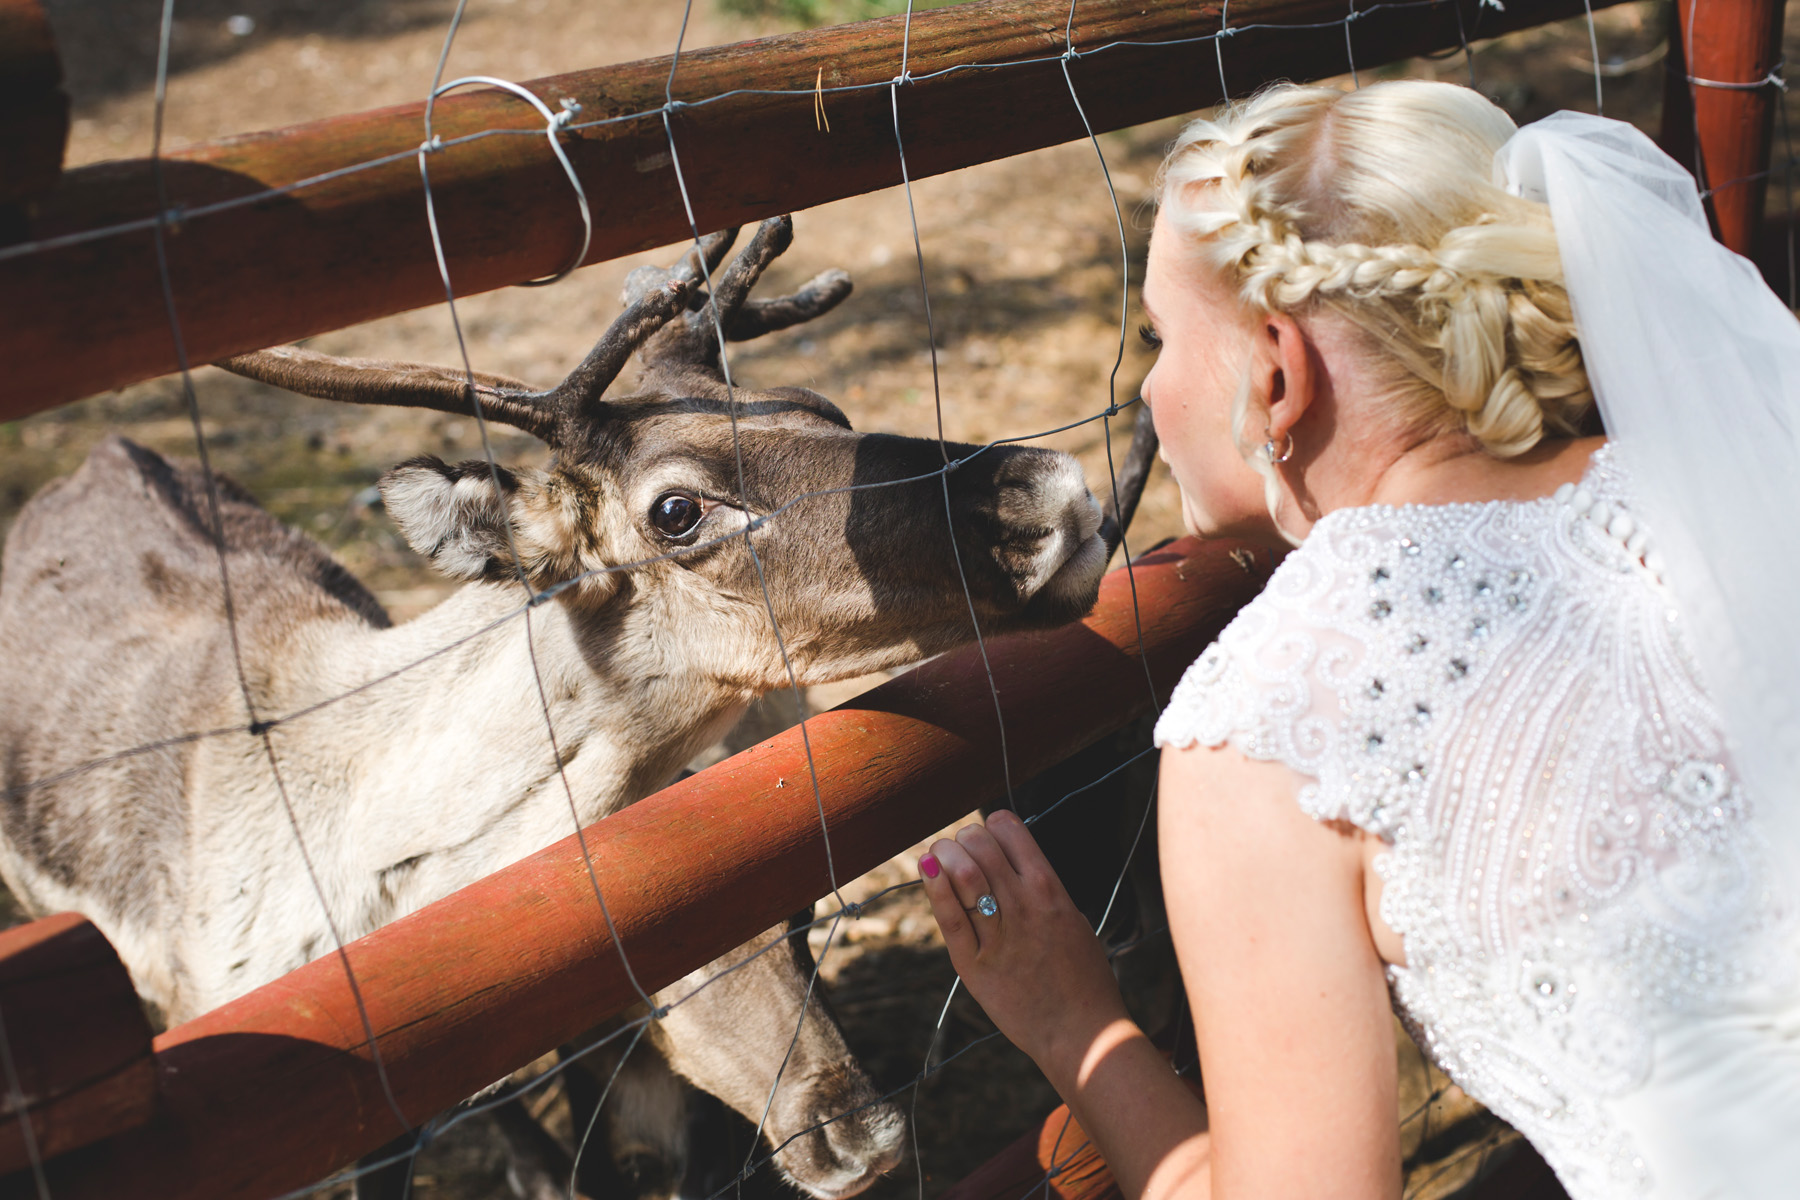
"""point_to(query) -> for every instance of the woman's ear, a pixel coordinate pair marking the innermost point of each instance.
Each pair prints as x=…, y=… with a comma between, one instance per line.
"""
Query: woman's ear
x=1293, y=381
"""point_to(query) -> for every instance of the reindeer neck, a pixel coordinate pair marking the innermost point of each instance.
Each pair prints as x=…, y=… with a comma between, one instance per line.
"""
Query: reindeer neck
x=470, y=683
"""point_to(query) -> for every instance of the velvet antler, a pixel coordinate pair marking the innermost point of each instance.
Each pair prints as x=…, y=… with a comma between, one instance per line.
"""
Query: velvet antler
x=654, y=296
x=543, y=414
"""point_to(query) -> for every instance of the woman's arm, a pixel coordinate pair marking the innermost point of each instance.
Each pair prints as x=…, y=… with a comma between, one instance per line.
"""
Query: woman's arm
x=1042, y=975
x=1266, y=907
x=1266, y=910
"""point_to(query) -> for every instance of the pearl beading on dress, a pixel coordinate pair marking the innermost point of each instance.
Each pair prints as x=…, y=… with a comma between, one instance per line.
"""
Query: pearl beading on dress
x=1615, y=521
x=1499, y=691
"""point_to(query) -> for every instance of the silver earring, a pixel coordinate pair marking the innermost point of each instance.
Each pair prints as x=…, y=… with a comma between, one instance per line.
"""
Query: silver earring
x=1275, y=456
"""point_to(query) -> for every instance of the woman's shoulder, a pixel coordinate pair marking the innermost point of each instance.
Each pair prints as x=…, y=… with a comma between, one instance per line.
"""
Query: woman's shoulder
x=1375, y=630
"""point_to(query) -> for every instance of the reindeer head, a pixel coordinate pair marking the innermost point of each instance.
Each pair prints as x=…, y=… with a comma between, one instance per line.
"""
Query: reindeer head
x=698, y=499
x=751, y=1030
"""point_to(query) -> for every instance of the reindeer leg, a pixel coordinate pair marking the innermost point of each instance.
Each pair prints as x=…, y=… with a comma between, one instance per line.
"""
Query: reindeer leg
x=392, y=1181
x=539, y=1167
x=587, y=1129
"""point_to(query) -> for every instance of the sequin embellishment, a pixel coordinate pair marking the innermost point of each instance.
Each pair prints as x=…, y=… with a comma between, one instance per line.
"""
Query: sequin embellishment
x=1466, y=682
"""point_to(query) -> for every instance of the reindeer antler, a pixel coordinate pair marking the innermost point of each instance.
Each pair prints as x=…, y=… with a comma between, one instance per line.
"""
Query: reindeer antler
x=543, y=414
x=742, y=318
x=654, y=296
x=400, y=384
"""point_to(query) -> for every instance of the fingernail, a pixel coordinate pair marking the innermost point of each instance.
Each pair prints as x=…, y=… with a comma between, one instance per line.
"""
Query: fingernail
x=928, y=866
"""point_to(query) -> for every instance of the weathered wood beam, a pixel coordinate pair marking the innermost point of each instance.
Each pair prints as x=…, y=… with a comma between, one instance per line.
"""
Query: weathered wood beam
x=34, y=114
x=84, y=317
x=78, y=1041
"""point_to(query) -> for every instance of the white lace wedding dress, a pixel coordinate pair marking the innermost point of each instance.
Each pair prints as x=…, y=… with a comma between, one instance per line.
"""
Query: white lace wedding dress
x=1596, y=948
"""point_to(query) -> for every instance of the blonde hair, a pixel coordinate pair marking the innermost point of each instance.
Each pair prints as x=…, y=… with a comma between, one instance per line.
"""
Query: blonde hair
x=1379, y=205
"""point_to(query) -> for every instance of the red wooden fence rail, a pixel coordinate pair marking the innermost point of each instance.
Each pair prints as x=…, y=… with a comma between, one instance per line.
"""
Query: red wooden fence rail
x=277, y=1088
x=34, y=112
x=77, y=1043
x=83, y=318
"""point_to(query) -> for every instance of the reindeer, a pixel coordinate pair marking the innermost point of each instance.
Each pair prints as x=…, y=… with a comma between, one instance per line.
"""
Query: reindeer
x=670, y=527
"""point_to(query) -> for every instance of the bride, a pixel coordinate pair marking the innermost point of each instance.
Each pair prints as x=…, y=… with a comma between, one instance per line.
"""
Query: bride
x=1510, y=742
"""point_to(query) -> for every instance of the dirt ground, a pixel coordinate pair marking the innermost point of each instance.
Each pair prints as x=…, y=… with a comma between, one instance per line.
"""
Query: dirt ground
x=1023, y=265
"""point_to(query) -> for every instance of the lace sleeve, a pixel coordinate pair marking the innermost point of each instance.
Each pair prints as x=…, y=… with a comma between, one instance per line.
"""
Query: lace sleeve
x=1270, y=687
x=1363, y=651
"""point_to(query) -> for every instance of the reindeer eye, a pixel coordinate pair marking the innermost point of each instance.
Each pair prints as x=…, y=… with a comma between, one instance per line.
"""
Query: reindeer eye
x=675, y=514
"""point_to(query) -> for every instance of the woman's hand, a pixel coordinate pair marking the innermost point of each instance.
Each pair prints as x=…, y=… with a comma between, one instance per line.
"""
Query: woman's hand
x=1035, y=966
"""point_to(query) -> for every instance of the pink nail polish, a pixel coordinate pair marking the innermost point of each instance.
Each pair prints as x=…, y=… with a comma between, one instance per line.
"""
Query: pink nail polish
x=928, y=866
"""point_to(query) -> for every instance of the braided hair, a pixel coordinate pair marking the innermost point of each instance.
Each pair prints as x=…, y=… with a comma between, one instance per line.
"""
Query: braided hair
x=1379, y=205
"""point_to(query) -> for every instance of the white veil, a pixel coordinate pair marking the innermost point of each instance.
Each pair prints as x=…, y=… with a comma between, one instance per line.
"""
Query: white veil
x=1696, y=367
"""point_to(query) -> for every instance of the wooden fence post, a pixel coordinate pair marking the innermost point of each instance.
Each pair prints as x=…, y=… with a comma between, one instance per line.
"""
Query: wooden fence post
x=1731, y=49
x=34, y=114
x=77, y=1040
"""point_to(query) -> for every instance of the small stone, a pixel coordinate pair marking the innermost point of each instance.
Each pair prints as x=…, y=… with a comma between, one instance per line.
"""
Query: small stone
x=1378, y=575
x=1376, y=687
x=1417, y=643
x=1408, y=546
x=1380, y=609
x=1434, y=595
x=1457, y=669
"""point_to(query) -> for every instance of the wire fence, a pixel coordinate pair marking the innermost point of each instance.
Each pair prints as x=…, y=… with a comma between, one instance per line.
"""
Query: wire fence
x=527, y=622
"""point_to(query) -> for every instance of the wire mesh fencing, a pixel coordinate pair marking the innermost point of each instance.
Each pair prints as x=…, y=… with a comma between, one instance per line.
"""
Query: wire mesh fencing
x=958, y=266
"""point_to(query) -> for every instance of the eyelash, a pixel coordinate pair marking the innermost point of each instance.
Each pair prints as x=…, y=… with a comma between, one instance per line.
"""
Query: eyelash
x=1149, y=337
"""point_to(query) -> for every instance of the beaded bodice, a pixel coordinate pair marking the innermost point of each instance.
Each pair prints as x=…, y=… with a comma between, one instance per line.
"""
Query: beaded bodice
x=1501, y=693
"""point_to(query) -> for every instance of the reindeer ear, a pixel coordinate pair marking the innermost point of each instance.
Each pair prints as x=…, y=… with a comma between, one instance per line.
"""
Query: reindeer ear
x=456, y=516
